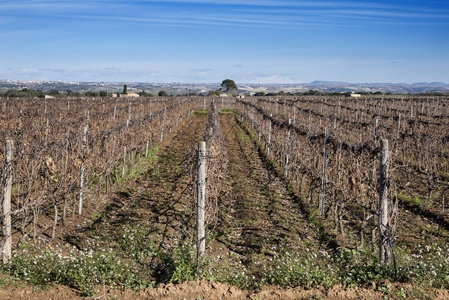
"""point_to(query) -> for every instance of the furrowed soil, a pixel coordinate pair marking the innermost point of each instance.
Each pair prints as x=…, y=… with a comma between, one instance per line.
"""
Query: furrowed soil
x=257, y=214
x=257, y=218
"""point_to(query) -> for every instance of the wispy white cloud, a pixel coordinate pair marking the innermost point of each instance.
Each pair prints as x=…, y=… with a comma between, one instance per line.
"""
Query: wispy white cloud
x=320, y=6
x=272, y=3
x=46, y=6
x=233, y=13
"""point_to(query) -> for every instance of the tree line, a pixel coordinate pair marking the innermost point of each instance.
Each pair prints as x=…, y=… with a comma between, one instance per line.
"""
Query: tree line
x=30, y=93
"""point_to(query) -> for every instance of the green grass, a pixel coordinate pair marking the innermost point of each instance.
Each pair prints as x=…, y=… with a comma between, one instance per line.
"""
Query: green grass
x=137, y=167
x=199, y=112
x=409, y=200
x=227, y=111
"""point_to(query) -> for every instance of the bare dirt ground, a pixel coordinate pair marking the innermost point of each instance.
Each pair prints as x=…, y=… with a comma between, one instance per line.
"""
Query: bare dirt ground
x=256, y=212
x=203, y=289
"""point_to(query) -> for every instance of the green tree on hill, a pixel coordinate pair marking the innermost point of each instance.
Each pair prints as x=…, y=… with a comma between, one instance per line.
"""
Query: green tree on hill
x=228, y=85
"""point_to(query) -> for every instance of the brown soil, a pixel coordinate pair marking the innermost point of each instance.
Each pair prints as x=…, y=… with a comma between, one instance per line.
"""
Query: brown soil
x=203, y=289
x=257, y=214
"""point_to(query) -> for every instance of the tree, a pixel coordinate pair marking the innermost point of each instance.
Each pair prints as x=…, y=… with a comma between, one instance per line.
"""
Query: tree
x=103, y=93
x=53, y=93
x=40, y=94
x=312, y=93
x=145, y=94
x=214, y=93
x=162, y=94
x=228, y=85
x=125, y=90
x=91, y=94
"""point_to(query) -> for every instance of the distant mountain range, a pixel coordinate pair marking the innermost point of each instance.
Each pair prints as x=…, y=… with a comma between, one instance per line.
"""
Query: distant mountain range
x=184, y=88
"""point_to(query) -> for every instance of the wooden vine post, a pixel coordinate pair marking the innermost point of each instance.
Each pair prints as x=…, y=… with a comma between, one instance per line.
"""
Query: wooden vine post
x=288, y=148
x=201, y=199
x=163, y=123
x=269, y=137
x=383, y=203
x=124, y=162
x=6, y=201
x=323, y=190
x=294, y=113
x=85, y=150
x=80, y=204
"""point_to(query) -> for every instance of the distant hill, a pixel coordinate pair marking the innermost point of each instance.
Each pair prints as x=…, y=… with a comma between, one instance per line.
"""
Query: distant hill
x=185, y=88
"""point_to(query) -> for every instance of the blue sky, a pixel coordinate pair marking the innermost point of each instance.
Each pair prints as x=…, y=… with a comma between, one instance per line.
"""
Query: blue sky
x=195, y=41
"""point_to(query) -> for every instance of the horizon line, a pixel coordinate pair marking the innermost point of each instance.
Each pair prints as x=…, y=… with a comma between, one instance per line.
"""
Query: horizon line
x=243, y=83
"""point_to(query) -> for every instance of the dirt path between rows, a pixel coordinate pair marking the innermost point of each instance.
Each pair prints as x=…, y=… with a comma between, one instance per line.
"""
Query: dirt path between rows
x=257, y=212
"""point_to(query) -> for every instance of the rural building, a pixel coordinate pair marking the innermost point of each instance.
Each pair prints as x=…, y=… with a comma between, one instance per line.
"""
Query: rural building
x=129, y=95
x=353, y=95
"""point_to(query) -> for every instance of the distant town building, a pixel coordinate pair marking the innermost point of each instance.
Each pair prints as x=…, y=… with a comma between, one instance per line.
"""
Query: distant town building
x=129, y=95
x=49, y=97
x=353, y=95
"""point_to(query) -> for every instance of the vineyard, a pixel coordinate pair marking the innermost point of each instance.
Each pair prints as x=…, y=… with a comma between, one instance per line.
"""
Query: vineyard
x=319, y=196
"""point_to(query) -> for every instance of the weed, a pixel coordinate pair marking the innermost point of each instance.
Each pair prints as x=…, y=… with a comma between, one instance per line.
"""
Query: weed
x=294, y=268
x=227, y=111
x=401, y=294
x=431, y=200
x=180, y=264
x=137, y=244
x=199, y=112
x=406, y=199
x=211, y=236
x=360, y=267
x=78, y=269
